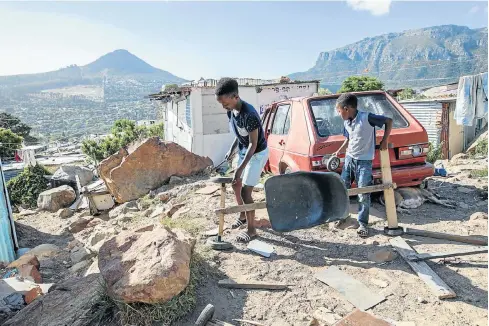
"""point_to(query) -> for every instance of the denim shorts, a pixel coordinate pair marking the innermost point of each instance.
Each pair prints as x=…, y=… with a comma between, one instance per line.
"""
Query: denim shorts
x=252, y=172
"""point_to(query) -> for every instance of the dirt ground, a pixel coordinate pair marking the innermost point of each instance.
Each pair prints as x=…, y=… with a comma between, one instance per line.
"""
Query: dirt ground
x=299, y=254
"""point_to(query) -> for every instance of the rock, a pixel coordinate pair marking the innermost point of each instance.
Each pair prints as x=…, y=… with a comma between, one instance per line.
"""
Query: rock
x=463, y=205
x=375, y=243
x=455, y=160
x=129, y=207
x=326, y=316
x=79, y=266
x=67, y=306
x=348, y=223
x=27, y=212
x=68, y=173
x=94, y=222
x=126, y=217
x=85, y=213
x=383, y=255
x=146, y=166
x=54, y=199
x=30, y=272
x=164, y=196
x=32, y=295
x=180, y=213
x=380, y=283
x=174, y=209
x=65, y=213
x=93, y=269
x=79, y=254
x=465, y=190
x=160, y=258
x=421, y=300
x=478, y=216
x=148, y=212
x=174, y=180
x=45, y=251
x=79, y=225
x=158, y=212
x=27, y=259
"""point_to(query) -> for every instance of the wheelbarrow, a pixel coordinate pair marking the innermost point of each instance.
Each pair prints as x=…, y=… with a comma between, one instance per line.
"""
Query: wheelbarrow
x=298, y=200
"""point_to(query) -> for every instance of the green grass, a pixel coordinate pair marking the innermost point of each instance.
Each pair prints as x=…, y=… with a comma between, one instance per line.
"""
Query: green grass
x=183, y=223
x=107, y=310
x=480, y=149
x=482, y=173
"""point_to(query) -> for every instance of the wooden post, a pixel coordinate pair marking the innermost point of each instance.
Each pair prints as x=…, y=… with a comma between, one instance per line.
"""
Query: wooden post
x=221, y=215
x=389, y=198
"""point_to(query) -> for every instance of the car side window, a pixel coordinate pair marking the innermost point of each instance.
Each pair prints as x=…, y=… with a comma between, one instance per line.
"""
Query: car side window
x=280, y=120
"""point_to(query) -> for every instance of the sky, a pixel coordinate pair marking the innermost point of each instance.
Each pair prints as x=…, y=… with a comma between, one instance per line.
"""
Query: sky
x=209, y=39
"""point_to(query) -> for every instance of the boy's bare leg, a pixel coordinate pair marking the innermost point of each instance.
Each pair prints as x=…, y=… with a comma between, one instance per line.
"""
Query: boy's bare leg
x=237, y=193
x=246, y=192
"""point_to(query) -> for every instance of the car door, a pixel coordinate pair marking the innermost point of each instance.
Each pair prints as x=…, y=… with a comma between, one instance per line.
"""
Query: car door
x=277, y=137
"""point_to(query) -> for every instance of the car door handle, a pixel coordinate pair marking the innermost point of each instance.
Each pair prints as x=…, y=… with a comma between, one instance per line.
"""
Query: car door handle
x=281, y=142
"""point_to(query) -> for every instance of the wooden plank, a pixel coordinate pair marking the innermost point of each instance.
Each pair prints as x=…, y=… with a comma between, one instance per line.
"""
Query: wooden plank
x=230, y=284
x=427, y=256
x=353, y=290
x=241, y=208
x=221, y=215
x=445, y=236
x=209, y=190
x=370, y=189
x=251, y=322
x=425, y=273
x=389, y=198
x=361, y=318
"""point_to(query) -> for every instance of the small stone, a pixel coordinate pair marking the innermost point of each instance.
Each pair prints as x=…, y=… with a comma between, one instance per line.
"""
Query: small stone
x=32, y=295
x=179, y=213
x=79, y=225
x=174, y=209
x=79, y=254
x=148, y=212
x=27, y=259
x=174, y=180
x=94, y=222
x=65, y=213
x=465, y=190
x=421, y=300
x=383, y=255
x=30, y=272
x=478, y=216
x=79, y=266
x=158, y=212
x=375, y=243
x=463, y=205
x=380, y=283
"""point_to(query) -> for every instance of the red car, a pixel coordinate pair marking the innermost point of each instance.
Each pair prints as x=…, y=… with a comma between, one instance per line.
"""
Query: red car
x=302, y=133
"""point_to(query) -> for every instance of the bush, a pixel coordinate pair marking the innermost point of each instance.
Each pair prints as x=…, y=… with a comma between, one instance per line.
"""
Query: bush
x=123, y=133
x=481, y=148
x=9, y=143
x=26, y=187
x=434, y=153
x=360, y=84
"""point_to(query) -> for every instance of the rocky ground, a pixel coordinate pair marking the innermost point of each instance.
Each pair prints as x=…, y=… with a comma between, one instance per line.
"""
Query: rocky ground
x=298, y=255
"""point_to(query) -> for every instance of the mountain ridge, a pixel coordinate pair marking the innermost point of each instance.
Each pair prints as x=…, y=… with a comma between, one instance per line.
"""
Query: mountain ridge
x=412, y=58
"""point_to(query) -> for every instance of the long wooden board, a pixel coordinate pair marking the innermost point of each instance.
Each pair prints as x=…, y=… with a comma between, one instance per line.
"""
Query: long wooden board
x=425, y=273
x=230, y=284
x=427, y=256
x=241, y=208
x=371, y=189
x=389, y=198
x=452, y=237
x=353, y=290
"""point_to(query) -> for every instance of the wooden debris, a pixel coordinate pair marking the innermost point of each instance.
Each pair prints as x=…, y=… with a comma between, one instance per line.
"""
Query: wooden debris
x=360, y=318
x=427, y=256
x=445, y=236
x=209, y=190
x=249, y=322
x=434, y=282
x=230, y=284
x=241, y=208
x=353, y=290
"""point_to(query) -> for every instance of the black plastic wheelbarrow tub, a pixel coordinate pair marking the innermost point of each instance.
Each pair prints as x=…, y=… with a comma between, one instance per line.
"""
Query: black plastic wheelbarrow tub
x=303, y=200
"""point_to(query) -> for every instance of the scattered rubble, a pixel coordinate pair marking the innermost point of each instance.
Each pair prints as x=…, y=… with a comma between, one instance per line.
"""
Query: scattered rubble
x=67, y=173
x=53, y=200
x=160, y=258
x=382, y=255
x=65, y=213
x=128, y=179
x=44, y=251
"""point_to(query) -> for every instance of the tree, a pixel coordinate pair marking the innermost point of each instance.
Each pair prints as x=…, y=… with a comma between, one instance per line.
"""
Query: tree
x=406, y=94
x=9, y=143
x=360, y=84
x=324, y=91
x=8, y=121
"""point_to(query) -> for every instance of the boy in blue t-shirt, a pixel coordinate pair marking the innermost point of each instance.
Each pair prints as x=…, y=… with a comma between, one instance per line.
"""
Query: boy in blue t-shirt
x=246, y=125
x=359, y=131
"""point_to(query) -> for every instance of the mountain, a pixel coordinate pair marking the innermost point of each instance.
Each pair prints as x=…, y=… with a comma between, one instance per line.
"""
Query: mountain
x=414, y=58
x=78, y=100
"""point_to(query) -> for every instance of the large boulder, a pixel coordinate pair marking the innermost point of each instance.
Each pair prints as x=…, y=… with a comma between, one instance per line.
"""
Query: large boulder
x=67, y=303
x=133, y=173
x=68, y=173
x=54, y=199
x=150, y=265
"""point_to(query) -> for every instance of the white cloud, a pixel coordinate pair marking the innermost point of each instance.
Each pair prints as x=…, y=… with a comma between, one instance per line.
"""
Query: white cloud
x=375, y=7
x=475, y=9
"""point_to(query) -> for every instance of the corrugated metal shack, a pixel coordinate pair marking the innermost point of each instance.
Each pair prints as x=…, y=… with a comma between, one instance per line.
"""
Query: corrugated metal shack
x=8, y=237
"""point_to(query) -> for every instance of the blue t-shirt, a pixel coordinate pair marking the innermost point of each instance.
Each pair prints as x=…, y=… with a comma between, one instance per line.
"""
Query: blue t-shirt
x=244, y=122
x=361, y=134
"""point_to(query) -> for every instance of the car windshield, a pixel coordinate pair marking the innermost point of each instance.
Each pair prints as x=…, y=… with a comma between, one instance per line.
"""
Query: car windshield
x=329, y=123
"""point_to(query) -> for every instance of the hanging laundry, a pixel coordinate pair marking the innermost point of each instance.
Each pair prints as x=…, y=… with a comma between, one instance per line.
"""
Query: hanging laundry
x=471, y=99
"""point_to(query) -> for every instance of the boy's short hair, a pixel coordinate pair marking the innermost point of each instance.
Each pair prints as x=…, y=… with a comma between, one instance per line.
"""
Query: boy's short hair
x=347, y=99
x=227, y=86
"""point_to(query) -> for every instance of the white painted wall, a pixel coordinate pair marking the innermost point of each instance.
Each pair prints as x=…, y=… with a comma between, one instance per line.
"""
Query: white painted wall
x=210, y=135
